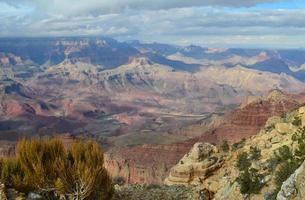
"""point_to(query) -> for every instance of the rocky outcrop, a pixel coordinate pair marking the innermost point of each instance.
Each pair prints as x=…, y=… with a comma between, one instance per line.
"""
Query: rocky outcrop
x=294, y=187
x=195, y=166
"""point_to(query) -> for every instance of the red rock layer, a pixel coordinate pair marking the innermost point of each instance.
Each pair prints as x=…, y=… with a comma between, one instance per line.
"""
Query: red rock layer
x=245, y=122
x=147, y=163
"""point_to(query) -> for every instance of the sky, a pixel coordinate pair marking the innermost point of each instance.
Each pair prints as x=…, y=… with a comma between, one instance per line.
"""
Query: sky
x=211, y=23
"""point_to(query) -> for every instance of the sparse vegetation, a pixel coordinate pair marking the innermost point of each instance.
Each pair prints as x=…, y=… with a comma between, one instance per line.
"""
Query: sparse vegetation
x=243, y=161
x=255, y=153
x=118, y=180
x=286, y=161
x=225, y=146
x=47, y=168
x=239, y=145
x=270, y=128
x=297, y=121
x=250, y=180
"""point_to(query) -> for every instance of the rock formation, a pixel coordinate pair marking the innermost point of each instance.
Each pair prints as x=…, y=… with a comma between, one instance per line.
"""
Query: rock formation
x=146, y=163
x=249, y=119
x=242, y=123
x=278, y=131
x=196, y=166
x=294, y=187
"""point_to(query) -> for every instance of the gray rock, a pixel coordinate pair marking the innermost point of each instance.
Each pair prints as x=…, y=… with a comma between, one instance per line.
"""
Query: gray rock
x=293, y=187
x=34, y=196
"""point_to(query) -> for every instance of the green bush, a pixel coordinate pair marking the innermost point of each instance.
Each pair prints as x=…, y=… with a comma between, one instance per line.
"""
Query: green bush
x=251, y=182
x=283, y=172
x=270, y=128
x=255, y=153
x=243, y=161
x=225, y=146
x=288, y=160
x=297, y=121
x=239, y=145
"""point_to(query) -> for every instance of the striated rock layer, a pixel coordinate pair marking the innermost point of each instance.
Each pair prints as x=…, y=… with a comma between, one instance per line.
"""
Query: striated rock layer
x=249, y=119
x=196, y=165
x=145, y=164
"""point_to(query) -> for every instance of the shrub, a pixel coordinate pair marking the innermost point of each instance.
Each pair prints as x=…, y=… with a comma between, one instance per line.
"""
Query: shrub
x=39, y=159
x=283, y=172
x=239, y=144
x=225, y=146
x=243, y=161
x=118, y=180
x=82, y=175
x=251, y=182
x=270, y=128
x=287, y=162
x=11, y=171
x=299, y=136
x=297, y=121
x=249, y=179
x=284, y=154
x=47, y=168
x=255, y=153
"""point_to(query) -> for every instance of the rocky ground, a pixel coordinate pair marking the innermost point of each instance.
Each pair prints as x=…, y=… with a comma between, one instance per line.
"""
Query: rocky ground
x=160, y=192
x=221, y=180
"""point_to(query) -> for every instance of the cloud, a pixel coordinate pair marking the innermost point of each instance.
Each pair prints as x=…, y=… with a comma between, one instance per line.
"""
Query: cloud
x=82, y=7
x=184, y=22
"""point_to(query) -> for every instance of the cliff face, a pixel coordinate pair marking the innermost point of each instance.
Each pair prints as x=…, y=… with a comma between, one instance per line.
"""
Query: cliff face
x=145, y=164
x=249, y=119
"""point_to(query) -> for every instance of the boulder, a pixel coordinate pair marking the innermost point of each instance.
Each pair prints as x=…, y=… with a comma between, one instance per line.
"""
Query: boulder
x=283, y=127
x=302, y=110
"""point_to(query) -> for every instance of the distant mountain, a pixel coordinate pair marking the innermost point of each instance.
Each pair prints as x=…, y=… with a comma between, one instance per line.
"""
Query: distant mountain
x=163, y=49
x=105, y=52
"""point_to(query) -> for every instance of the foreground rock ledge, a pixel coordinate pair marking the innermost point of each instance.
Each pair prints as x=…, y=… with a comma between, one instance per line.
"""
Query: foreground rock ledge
x=196, y=166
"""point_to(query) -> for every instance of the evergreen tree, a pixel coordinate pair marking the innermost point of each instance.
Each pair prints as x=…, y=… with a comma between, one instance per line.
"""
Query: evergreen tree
x=243, y=161
x=251, y=182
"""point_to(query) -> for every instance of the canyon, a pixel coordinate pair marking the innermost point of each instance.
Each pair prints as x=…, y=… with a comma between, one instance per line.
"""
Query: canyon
x=147, y=104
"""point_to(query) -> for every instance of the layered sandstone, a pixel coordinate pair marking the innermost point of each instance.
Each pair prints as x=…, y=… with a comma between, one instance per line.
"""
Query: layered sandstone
x=249, y=119
x=195, y=166
x=146, y=163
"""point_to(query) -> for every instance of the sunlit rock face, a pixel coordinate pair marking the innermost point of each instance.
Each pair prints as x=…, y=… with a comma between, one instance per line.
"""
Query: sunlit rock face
x=196, y=165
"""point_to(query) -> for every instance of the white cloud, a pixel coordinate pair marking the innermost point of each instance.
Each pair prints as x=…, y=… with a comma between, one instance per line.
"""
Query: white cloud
x=144, y=20
x=80, y=7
